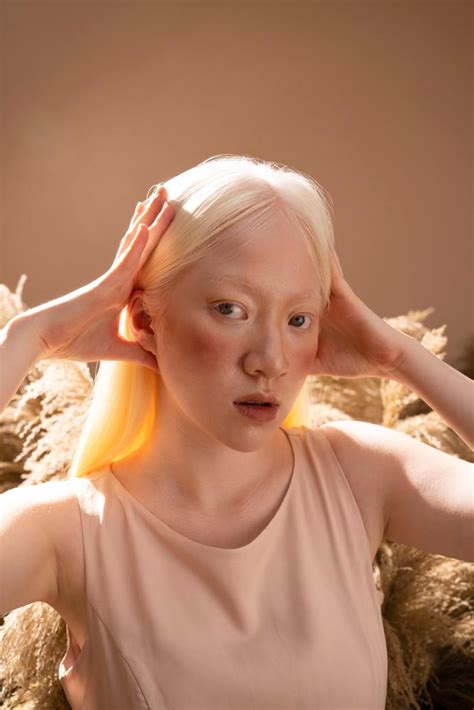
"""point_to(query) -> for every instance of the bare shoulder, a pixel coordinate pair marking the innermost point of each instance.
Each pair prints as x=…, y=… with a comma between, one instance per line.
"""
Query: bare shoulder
x=354, y=444
x=36, y=523
x=66, y=531
x=423, y=495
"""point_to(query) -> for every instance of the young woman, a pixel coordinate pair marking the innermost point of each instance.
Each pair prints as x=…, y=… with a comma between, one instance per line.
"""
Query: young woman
x=209, y=549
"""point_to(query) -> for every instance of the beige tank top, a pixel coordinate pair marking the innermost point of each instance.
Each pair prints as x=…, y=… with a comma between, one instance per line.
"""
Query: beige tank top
x=290, y=621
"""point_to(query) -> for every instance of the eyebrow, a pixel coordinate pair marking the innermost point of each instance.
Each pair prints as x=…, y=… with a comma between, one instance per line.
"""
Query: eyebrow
x=243, y=284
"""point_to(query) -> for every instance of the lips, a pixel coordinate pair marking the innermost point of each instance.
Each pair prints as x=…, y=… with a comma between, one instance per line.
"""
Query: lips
x=260, y=412
x=258, y=398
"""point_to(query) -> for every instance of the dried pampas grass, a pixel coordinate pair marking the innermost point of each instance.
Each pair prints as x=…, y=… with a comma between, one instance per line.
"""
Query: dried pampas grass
x=428, y=606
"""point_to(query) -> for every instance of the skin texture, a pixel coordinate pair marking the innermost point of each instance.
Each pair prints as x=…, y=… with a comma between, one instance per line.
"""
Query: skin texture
x=204, y=455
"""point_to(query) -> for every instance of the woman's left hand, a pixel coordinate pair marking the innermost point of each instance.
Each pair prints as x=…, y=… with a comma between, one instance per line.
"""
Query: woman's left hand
x=354, y=341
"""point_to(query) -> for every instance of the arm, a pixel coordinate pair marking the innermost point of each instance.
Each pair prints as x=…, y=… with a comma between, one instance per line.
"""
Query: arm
x=20, y=349
x=84, y=325
x=355, y=342
x=426, y=495
x=28, y=562
x=35, y=521
x=447, y=391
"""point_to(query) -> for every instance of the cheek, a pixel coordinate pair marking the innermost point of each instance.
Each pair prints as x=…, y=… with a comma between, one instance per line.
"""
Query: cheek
x=304, y=360
x=208, y=349
x=213, y=351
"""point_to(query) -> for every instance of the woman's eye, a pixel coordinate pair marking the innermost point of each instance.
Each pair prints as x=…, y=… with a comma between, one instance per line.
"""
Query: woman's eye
x=227, y=305
x=308, y=321
x=225, y=309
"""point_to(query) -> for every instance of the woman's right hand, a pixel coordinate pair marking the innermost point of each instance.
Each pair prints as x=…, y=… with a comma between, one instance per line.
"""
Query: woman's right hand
x=83, y=325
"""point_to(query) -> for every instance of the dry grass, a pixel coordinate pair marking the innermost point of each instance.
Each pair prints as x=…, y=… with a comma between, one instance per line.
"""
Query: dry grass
x=428, y=607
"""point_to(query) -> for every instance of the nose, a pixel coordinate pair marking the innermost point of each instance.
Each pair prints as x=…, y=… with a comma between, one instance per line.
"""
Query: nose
x=266, y=354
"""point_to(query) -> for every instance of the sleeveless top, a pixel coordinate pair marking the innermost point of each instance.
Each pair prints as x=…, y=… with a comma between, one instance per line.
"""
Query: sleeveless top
x=290, y=621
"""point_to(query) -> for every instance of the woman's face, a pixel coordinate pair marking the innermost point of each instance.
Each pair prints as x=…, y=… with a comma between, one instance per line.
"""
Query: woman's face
x=245, y=319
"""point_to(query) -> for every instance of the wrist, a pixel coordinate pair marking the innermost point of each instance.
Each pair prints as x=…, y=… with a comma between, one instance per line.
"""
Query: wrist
x=411, y=350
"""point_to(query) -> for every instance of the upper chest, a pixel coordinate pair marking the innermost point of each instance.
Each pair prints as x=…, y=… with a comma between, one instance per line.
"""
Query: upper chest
x=231, y=531
x=226, y=531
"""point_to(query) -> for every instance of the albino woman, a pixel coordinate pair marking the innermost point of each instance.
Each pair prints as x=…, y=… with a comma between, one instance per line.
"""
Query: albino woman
x=208, y=549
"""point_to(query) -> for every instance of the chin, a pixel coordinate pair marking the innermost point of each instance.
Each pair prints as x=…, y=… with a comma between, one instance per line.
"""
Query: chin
x=249, y=437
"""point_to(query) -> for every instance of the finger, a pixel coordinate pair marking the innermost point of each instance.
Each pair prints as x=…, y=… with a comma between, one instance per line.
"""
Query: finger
x=129, y=257
x=138, y=210
x=337, y=277
x=131, y=232
x=337, y=263
x=165, y=215
x=158, y=228
x=131, y=242
x=153, y=206
x=145, y=212
x=136, y=246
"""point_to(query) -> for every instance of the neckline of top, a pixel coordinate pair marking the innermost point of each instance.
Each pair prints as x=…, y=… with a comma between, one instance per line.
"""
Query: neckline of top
x=291, y=434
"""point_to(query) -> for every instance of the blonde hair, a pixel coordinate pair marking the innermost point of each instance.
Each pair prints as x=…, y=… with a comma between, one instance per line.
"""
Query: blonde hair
x=222, y=192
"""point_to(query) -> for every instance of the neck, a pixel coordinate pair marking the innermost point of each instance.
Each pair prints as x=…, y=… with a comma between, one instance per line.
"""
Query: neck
x=189, y=470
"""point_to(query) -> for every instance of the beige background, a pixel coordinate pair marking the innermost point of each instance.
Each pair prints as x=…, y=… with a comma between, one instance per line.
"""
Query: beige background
x=373, y=99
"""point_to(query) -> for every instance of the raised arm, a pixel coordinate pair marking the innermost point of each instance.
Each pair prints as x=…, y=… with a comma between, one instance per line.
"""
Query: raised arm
x=82, y=325
x=20, y=349
x=426, y=495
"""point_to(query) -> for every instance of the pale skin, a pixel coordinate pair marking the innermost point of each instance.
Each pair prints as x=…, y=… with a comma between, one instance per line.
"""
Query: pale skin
x=223, y=341
x=208, y=472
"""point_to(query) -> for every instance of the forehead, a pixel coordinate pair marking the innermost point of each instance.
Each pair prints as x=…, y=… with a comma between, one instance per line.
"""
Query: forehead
x=273, y=258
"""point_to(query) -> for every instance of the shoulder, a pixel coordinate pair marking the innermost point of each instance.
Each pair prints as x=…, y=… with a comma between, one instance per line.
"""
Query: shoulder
x=355, y=442
x=362, y=441
x=359, y=448
x=34, y=522
x=363, y=450
x=425, y=493
x=40, y=499
x=52, y=506
x=392, y=451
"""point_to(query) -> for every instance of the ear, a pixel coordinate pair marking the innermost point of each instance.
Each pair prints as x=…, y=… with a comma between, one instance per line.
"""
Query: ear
x=140, y=321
